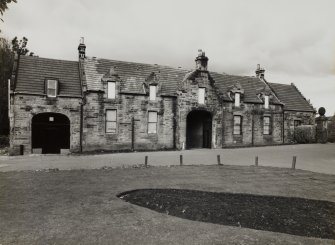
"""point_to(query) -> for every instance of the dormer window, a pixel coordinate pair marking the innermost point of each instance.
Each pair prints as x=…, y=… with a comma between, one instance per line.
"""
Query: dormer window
x=111, y=90
x=52, y=88
x=266, y=102
x=237, y=99
x=152, y=92
x=201, y=95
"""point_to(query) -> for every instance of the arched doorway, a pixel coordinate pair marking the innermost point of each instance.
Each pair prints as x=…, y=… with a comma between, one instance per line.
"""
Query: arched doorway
x=199, y=130
x=50, y=132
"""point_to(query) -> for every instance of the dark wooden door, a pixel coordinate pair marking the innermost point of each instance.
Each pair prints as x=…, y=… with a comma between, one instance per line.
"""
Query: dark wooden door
x=51, y=141
x=207, y=134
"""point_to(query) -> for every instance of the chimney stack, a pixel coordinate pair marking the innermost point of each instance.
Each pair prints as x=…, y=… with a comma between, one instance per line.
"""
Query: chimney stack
x=82, y=49
x=201, y=61
x=259, y=71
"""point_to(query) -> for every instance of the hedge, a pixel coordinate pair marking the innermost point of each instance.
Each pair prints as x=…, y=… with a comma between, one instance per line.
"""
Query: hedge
x=305, y=134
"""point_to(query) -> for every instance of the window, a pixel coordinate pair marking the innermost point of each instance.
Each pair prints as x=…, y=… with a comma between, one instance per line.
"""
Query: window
x=52, y=87
x=237, y=99
x=111, y=121
x=238, y=125
x=201, y=96
x=266, y=102
x=266, y=125
x=152, y=122
x=152, y=92
x=297, y=123
x=111, y=90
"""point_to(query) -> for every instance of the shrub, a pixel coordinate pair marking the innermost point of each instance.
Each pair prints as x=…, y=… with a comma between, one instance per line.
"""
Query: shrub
x=331, y=130
x=4, y=140
x=305, y=134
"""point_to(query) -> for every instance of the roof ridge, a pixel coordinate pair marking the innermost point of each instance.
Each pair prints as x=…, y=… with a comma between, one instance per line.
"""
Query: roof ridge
x=137, y=63
x=280, y=83
x=43, y=58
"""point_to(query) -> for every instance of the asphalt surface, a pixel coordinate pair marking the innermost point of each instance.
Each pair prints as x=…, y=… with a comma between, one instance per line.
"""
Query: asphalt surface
x=313, y=157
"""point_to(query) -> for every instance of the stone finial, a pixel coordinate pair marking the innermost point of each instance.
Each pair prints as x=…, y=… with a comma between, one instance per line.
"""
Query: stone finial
x=322, y=111
x=259, y=71
x=82, y=49
x=201, y=61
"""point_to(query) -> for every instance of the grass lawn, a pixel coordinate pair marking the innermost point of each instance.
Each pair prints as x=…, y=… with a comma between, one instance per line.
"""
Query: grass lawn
x=82, y=207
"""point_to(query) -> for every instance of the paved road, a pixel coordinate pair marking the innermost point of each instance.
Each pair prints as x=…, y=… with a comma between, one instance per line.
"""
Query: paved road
x=313, y=157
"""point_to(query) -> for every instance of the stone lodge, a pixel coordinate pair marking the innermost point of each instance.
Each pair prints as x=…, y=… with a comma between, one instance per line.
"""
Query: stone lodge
x=93, y=104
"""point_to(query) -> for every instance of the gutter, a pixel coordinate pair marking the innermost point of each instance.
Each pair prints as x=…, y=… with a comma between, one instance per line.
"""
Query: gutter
x=82, y=103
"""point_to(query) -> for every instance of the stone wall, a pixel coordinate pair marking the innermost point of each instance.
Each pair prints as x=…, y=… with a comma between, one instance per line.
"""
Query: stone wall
x=306, y=118
x=131, y=108
x=132, y=120
x=187, y=101
x=252, y=124
x=24, y=107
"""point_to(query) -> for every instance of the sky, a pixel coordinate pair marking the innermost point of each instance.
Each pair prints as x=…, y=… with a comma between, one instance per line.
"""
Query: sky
x=294, y=40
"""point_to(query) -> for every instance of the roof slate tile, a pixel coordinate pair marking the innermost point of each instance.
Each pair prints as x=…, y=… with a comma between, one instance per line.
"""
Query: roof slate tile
x=32, y=72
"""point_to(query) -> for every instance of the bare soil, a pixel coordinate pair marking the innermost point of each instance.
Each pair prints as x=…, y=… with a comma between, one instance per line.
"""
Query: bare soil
x=297, y=216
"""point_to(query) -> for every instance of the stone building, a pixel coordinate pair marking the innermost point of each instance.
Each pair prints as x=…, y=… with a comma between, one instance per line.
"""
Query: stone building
x=98, y=104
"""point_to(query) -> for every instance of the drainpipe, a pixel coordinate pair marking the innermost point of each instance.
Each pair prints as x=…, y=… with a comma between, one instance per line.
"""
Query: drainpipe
x=81, y=127
x=252, y=129
x=283, y=128
x=174, y=127
x=133, y=134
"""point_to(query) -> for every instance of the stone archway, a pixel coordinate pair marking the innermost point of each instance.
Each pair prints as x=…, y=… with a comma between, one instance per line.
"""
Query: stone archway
x=199, y=130
x=50, y=132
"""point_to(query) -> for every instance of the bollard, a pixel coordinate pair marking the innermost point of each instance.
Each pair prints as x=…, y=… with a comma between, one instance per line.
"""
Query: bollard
x=219, y=159
x=256, y=161
x=181, y=160
x=146, y=161
x=294, y=161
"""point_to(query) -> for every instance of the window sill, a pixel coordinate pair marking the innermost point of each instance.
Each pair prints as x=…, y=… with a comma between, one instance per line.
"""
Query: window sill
x=52, y=98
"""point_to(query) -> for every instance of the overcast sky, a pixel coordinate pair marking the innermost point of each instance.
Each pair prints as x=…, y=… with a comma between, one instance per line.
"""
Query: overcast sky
x=293, y=40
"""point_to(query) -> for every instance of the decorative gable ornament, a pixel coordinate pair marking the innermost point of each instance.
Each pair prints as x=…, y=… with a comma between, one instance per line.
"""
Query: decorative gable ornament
x=110, y=76
x=265, y=91
x=151, y=80
x=236, y=88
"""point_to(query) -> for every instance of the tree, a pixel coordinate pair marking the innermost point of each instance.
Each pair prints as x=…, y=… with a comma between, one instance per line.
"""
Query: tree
x=6, y=64
x=7, y=52
x=3, y=6
x=20, y=46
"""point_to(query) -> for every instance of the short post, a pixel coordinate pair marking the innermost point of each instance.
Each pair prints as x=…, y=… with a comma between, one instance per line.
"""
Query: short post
x=219, y=159
x=181, y=160
x=256, y=161
x=294, y=161
x=146, y=161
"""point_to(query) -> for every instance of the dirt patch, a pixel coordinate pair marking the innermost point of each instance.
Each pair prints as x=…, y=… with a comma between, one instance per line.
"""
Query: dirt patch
x=297, y=216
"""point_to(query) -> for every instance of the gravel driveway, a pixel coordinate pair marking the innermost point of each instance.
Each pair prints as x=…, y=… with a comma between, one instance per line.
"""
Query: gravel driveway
x=313, y=157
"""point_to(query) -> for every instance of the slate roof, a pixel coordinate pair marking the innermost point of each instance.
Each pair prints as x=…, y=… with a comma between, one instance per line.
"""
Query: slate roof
x=250, y=85
x=291, y=97
x=32, y=72
x=134, y=75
